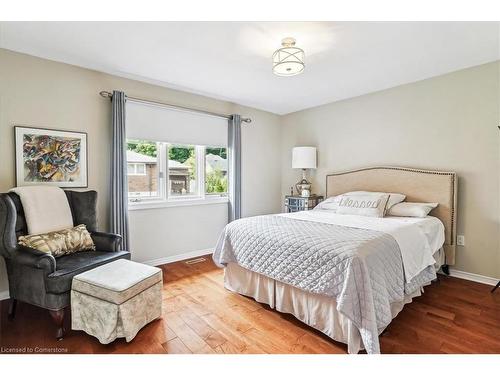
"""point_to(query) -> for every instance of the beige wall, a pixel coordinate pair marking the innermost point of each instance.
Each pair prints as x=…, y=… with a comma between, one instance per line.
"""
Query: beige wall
x=42, y=93
x=448, y=123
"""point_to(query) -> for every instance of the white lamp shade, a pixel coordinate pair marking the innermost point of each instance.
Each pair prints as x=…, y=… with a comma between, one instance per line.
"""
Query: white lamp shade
x=304, y=157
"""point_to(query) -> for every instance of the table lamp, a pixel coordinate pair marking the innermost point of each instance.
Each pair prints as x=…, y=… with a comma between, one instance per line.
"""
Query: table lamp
x=304, y=158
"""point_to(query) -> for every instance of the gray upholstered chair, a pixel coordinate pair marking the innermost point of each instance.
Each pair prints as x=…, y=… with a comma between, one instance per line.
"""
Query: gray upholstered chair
x=40, y=279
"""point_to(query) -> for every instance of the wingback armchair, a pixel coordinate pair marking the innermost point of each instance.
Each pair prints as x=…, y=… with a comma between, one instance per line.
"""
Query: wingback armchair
x=39, y=278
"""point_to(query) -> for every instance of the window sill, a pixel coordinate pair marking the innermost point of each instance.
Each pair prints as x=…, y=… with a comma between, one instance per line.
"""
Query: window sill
x=147, y=205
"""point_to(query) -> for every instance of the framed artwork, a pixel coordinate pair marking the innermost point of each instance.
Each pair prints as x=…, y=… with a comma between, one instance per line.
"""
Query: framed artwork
x=52, y=157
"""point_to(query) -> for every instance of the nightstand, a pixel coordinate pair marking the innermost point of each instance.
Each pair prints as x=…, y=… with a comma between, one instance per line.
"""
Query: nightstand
x=295, y=203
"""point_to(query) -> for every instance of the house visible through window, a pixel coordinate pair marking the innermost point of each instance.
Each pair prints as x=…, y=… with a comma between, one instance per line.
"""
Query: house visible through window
x=160, y=171
x=142, y=169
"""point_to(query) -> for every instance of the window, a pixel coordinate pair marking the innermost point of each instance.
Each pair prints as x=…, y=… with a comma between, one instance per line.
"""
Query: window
x=136, y=169
x=216, y=171
x=182, y=171
x=161, y=173
x=183, y=153
x=143, y=169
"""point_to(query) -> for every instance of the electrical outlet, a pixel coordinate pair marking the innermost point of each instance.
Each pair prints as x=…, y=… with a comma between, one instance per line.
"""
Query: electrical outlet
x=461, y=240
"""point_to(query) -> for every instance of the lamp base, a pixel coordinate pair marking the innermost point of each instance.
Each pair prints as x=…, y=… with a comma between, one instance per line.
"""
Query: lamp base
x=303, y=188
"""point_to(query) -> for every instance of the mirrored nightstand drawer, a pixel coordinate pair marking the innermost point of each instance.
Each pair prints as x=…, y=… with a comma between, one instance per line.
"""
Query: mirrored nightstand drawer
x=297, y=203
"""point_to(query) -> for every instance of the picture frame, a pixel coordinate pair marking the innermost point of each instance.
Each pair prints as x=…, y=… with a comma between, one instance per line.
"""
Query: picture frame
x=50, y=157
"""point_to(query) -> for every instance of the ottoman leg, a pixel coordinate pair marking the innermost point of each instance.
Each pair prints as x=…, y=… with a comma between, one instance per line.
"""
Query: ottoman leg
x=58, y=318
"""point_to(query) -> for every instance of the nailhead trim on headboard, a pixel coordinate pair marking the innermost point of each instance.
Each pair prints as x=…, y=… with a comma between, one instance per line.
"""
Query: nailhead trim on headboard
x=415, y=170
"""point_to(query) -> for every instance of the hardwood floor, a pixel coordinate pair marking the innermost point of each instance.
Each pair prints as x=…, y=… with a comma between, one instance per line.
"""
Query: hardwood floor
x=200, y=316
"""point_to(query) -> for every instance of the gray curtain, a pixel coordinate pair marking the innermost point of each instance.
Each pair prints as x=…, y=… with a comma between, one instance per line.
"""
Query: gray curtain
x=119, y=189
x=234, y=167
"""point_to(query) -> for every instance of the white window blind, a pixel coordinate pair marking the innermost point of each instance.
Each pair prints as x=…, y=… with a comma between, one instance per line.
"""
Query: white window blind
x=155, y=123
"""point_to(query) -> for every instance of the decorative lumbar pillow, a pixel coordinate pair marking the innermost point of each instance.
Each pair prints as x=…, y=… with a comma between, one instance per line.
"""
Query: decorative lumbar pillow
x=363, y=204
x=394, y=198
x=412, y=209
x=62, y=242
x=332, y=203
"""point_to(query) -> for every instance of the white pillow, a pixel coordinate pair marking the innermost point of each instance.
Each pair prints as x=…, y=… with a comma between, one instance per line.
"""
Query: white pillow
x=394, y=198
x=363, y=204
x=331, y=204
x=412, y=209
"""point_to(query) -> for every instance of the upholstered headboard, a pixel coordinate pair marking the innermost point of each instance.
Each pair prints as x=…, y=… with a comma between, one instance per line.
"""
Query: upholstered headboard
x=418, y=185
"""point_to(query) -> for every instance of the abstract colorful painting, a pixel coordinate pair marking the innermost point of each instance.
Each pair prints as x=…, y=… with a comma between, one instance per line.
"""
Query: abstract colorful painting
x=52, y=157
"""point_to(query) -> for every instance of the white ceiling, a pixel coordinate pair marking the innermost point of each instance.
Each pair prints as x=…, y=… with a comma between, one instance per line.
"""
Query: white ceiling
x=232, y=61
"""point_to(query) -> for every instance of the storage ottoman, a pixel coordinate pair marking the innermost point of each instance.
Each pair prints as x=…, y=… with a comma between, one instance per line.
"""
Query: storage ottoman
x=116, y=299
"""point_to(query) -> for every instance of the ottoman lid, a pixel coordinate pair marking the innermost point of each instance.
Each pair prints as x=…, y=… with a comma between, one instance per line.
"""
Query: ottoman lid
x=117, y=281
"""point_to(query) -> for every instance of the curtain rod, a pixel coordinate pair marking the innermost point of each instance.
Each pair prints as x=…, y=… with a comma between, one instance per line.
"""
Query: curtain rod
x=106, y=94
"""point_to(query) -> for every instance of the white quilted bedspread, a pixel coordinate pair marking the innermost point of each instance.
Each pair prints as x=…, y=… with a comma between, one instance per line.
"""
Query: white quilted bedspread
x=361, y=268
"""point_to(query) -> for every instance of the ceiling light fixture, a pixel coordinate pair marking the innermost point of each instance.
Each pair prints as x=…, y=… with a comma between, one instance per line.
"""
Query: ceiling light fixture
x=288, y=60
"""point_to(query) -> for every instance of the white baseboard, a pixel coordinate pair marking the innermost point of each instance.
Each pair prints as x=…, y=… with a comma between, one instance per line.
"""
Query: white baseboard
x=176, y=258
x=4, y=294
x=473, y=277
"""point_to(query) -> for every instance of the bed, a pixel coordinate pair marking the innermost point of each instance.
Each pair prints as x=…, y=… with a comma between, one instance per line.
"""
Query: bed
x=344, y=275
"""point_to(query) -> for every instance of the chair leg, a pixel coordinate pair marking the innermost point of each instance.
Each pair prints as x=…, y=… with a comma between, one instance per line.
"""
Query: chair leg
x=58, y=318
x=12, y=309
x=496, y=287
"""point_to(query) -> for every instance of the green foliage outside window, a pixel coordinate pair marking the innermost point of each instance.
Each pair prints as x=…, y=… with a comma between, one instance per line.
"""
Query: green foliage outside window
x=180, y=154
x=143, y=147
x=215, y=182
x=191, y=163
x=221, y=151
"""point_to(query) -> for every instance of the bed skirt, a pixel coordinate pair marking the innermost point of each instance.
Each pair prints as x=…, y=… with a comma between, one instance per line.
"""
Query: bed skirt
x=315, y=310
